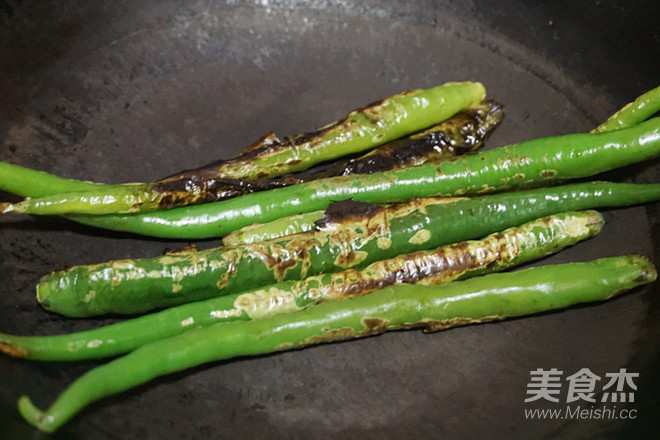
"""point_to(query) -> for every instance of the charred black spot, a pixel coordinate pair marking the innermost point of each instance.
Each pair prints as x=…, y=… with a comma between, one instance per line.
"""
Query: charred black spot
x=374, y=325
x=347, y=211
x=195, y=189
x=285, y=264
x=170, y=186
x=301, y=254
x=166, y=201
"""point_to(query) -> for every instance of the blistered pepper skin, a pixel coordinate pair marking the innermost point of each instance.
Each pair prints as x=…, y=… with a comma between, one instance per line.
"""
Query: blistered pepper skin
x=481, y=299
x=496, y=252
x=134, y=286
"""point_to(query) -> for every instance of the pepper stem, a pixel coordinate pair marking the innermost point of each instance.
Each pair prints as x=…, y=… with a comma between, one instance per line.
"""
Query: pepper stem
x=35, y=416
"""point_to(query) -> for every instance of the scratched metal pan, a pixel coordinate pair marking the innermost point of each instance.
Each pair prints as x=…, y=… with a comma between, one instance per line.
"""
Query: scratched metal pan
x=133, y=91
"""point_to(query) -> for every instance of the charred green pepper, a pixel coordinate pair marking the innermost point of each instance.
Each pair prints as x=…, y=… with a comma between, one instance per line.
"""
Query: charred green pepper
x=488, y=298
x=457, y=261
x=368, y=233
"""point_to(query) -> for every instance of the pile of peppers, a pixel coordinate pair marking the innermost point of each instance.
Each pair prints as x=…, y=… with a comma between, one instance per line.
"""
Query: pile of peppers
x=409, y=233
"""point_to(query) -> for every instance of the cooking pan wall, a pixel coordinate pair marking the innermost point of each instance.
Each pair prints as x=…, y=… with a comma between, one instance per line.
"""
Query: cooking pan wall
x=133, y=91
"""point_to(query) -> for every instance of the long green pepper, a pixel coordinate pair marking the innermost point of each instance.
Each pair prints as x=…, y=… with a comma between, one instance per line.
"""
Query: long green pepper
x=457, y=261
x=532, y=162
x=488, y=298
x=134, y=286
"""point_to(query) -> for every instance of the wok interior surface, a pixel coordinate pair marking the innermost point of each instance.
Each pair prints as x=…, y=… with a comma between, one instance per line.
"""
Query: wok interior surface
x=134, y=91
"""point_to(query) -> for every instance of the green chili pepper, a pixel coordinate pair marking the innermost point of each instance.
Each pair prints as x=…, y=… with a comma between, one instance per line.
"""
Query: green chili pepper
x=462, y=260
x=515, y=166
x=360, y=130
x=488, y=298
x=633, y=113
x=133, y=286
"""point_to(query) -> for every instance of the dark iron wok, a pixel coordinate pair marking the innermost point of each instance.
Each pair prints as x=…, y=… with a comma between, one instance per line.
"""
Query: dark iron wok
x=133, y=91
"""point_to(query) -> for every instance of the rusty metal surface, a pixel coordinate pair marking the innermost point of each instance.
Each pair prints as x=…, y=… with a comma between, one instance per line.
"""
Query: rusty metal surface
x=134, y=91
